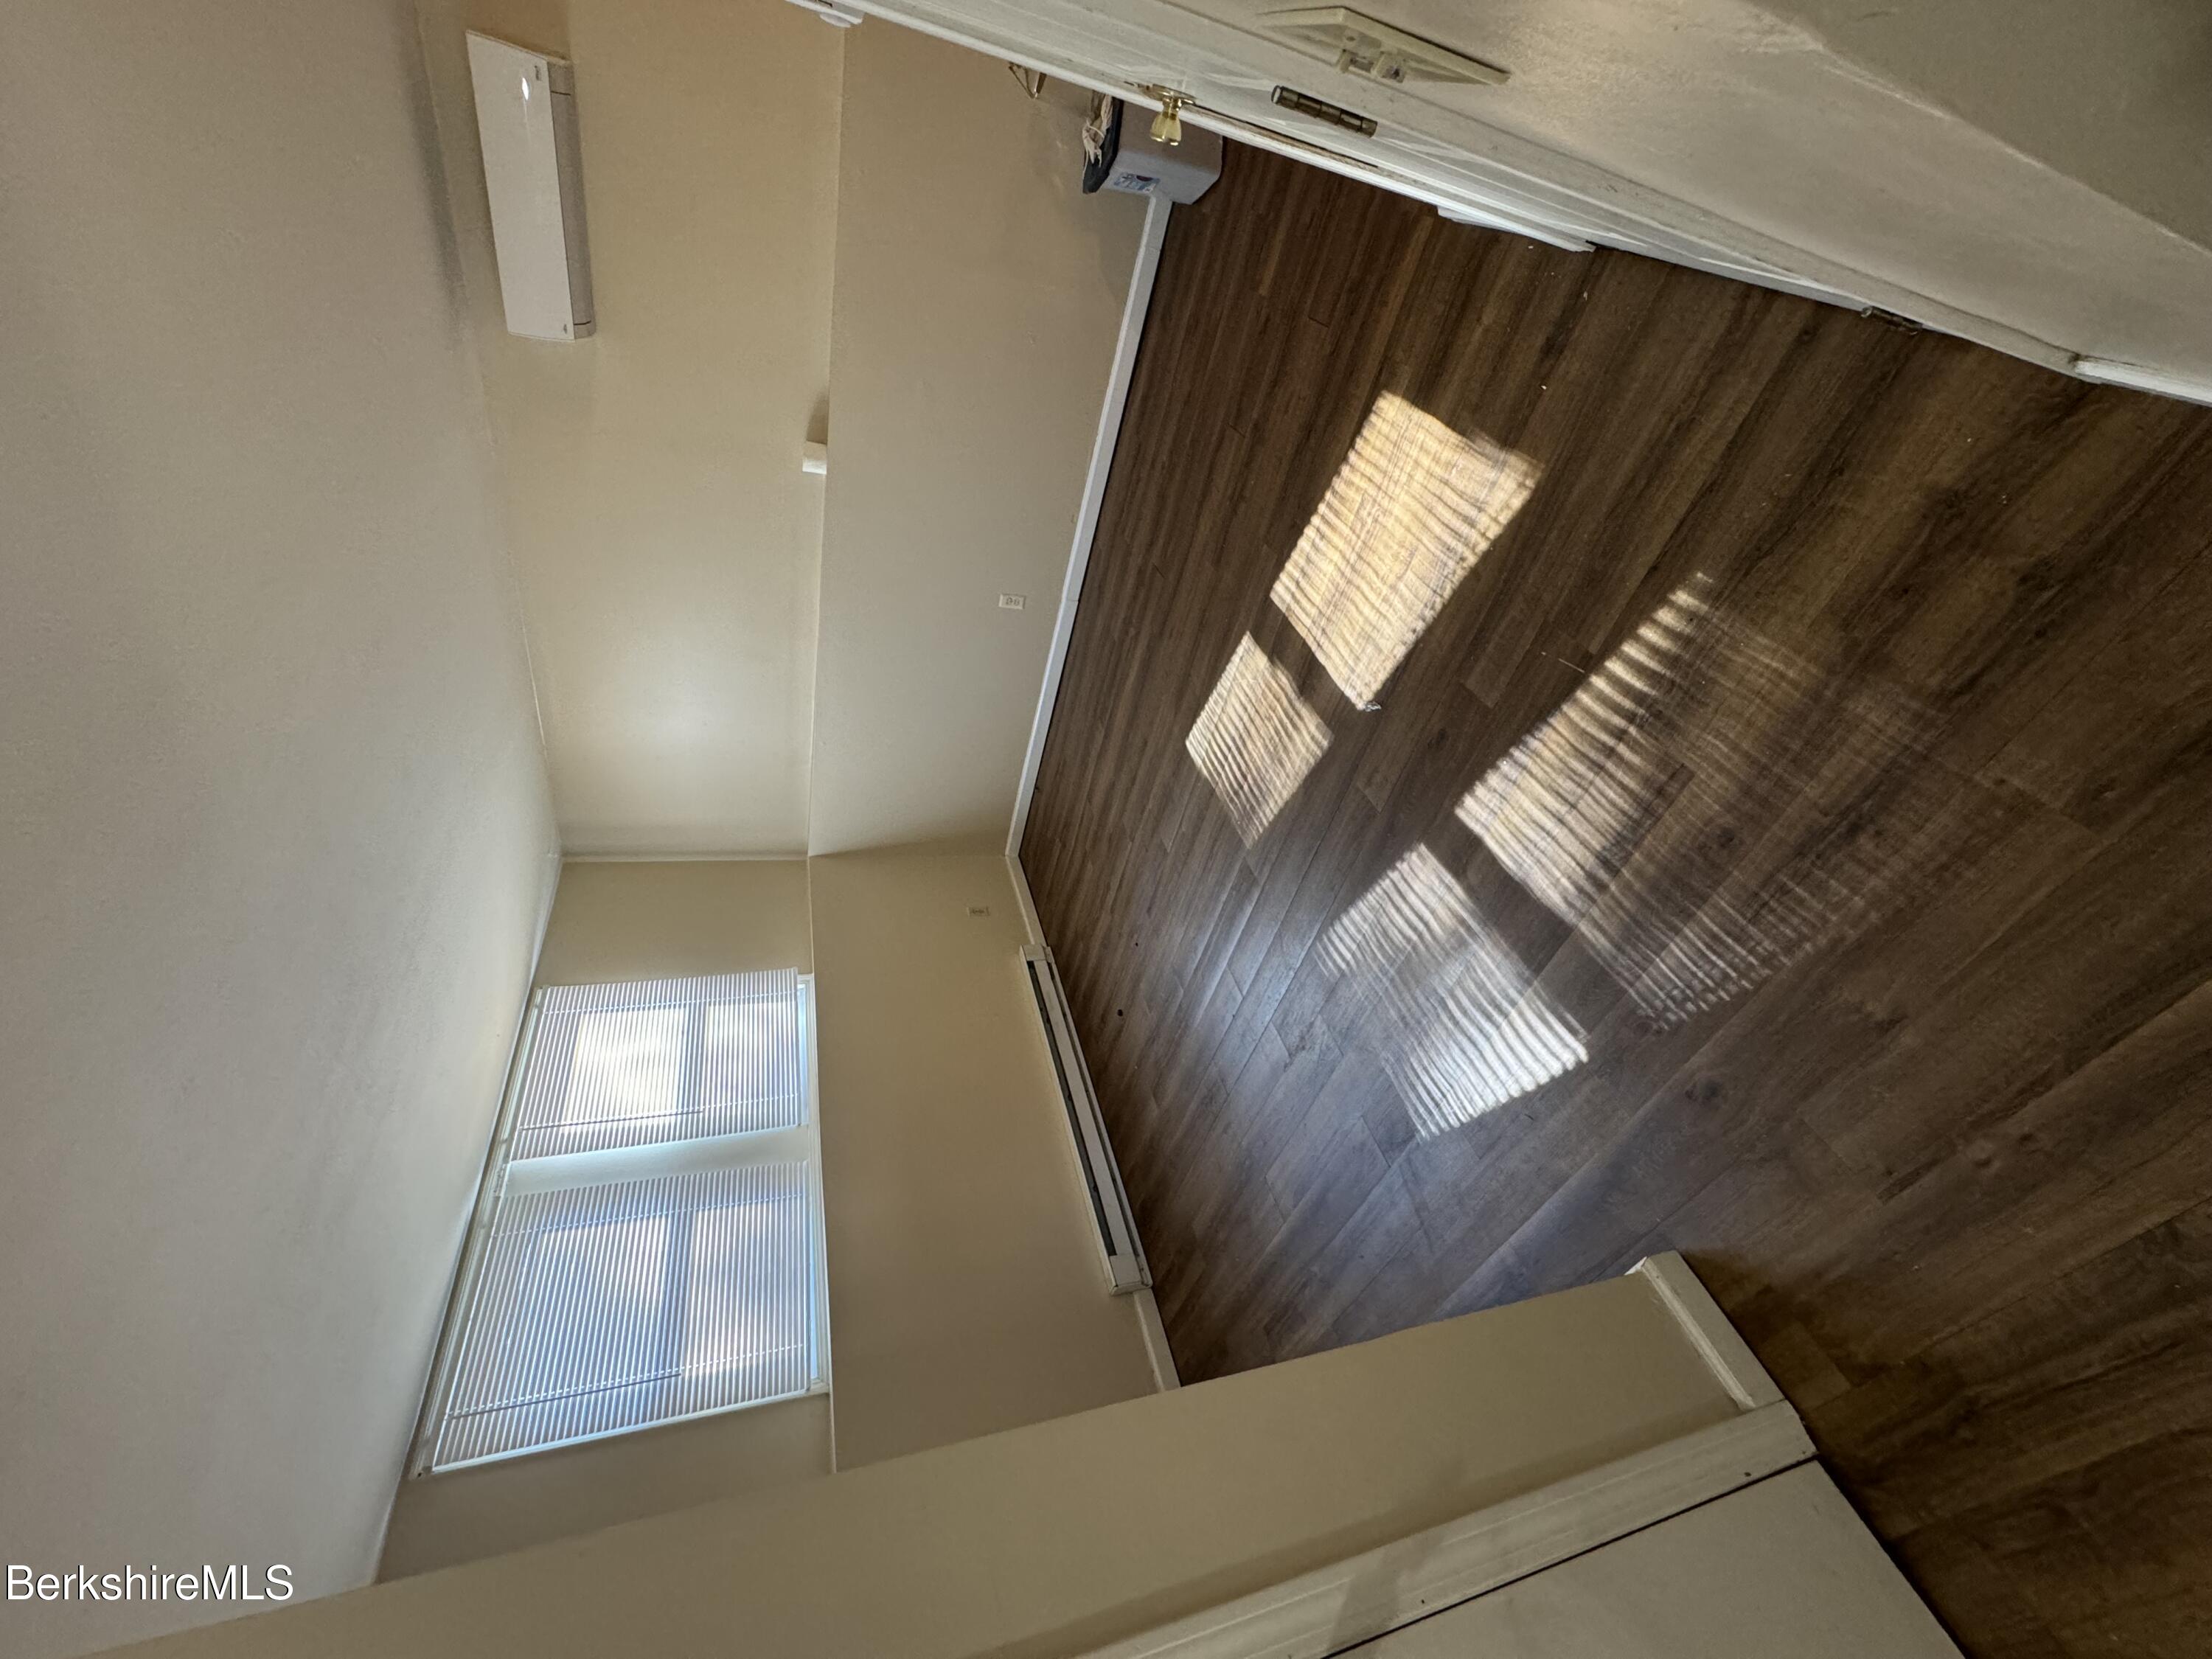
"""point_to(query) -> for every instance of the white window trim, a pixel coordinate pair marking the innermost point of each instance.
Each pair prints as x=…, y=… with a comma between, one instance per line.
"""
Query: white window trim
x=620, y=1163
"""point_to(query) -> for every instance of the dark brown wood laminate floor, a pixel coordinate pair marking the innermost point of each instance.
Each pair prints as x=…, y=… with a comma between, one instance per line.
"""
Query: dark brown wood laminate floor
x=1791, y=842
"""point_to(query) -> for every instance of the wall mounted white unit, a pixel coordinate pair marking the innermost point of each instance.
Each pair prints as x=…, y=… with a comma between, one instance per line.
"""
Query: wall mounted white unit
x=1176, y=173
x=1094, y=1154
x=534, y=176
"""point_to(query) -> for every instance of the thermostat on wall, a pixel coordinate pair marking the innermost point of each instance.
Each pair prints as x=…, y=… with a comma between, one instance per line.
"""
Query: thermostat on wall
x=534, y=175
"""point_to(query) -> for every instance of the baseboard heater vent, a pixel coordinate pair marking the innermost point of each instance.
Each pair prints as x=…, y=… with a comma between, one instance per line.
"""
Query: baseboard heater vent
x=1094, y=1154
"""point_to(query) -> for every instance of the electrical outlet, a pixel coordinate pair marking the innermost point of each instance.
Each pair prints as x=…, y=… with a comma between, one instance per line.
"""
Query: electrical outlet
x=1012, y=601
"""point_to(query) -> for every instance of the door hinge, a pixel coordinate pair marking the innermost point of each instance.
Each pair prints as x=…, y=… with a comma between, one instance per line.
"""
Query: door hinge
x=1304, y=103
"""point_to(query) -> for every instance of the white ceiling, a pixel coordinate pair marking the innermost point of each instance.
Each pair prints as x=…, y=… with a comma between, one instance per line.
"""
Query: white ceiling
x=664, y=540
x=2112, y=93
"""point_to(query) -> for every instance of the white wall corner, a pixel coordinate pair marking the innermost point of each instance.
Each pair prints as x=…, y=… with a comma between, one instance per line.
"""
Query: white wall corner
x=1354, y=1601
x=1706, y=1327
x=1025, y=899
x=1155, y=1331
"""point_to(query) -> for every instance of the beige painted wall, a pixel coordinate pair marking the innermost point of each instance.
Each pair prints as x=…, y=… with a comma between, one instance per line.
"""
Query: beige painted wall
x=619, y=922
x=965, y=1293
x=466, y=1514
x=1047, y=1539
x=273, y=833
x=667, y=542
x=978, y=295
x=622, y=920
x=965, y=1290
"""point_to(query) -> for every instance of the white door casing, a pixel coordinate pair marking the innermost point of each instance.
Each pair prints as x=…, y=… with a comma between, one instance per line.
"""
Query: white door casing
x=1947, y=227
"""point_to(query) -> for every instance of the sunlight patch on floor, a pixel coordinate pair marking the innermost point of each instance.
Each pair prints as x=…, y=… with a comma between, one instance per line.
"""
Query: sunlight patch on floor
x=1711, y=806
x=1412, y=508
x=1255, y=739
x=1466, y=1027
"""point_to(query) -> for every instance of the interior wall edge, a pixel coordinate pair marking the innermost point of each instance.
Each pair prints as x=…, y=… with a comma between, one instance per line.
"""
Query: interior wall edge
x=548, y=892
x=1707, y=1329
x=570, y=856
x=1031, y=923
x=1155, y=1332
x=1133, y=313
x=1351, y=1602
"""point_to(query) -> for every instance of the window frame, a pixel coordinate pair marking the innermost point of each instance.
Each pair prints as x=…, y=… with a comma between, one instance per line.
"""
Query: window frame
x=621, y=1163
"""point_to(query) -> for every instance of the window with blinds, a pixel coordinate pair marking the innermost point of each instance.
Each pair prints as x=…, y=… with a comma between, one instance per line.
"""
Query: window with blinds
x=648, y=1243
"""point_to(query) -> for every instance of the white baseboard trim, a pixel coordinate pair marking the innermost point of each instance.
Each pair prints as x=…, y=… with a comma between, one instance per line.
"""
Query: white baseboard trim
x=1150, y=1325
x=1726, y=1354
x=1155, y=1332
x=685, y=857
x=1025, y=899
x=1355, y=1600
x=1133, y=310
x=2164, y=384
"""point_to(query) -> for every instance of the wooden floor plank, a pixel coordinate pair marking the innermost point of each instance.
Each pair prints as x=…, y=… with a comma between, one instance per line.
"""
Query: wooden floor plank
x=1787, y=838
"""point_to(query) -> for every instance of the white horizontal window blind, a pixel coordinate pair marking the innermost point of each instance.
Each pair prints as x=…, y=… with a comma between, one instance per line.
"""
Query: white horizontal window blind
x=648, y=1246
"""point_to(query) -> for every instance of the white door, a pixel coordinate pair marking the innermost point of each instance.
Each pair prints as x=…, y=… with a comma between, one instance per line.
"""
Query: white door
x=1779, y=1570
x=1227, y=73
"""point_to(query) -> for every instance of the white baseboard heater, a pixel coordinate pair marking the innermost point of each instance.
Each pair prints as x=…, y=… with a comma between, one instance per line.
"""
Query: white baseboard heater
x=1094, y=1154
